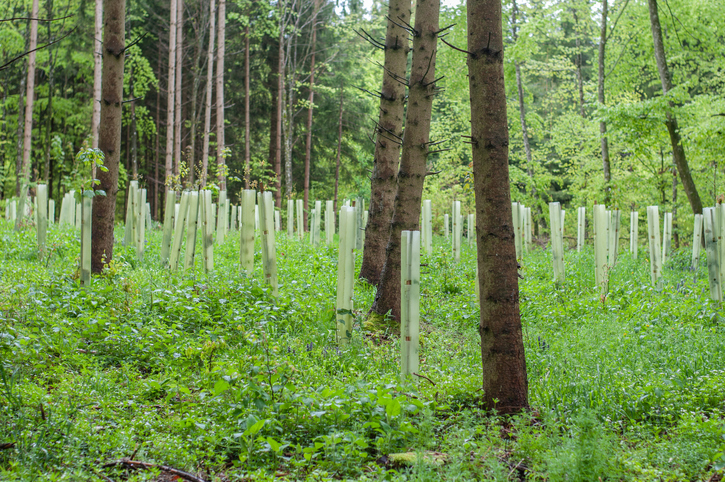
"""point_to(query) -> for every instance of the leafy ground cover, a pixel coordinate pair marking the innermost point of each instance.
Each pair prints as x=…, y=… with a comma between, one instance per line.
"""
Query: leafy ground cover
x=211, y=375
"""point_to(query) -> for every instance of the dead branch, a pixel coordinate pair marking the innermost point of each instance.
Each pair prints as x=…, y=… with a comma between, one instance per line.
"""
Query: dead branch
x=137, y=464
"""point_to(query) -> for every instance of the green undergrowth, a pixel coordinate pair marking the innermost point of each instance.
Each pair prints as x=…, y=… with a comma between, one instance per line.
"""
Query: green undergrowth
x=211, y=375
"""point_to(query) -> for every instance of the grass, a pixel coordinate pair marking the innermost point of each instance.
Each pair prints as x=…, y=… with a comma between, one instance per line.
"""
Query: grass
x=211, y=375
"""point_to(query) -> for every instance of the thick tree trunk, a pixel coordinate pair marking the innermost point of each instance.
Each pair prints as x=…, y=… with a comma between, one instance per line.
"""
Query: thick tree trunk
x=311, y=100
x=221, y=165
x=209, y=86
x=171, y=91
x=247, y=127
x=600, y=94
x=339, y=146
x=97, y=65
x=502, y=349
x=389, y=133
x=178, y=85
x=109, y=138
x=678, y=150
x=412, y=172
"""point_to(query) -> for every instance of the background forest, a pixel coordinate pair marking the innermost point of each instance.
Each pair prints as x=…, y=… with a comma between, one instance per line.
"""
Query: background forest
x=553, y=51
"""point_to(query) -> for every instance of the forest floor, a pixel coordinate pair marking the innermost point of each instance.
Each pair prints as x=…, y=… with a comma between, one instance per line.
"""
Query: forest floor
x=211, y=376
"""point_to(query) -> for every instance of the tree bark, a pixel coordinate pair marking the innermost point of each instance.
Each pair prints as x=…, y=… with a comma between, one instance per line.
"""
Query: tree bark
x=247, y=127
x=311, y=100
x=209, y=86
x=279, y=107
x=220, y=98
x=522, y=105
x=273, y=86
x=49, y=108
x=389, y=133
x=600, y=94
x=171, y=91
x=412, y=172
x=158, y=141
x=97, y=65
x=109, y=138
x=339, y=146
x=20, y=140
x=29, y=97
x=134, y=133
x=505, y=386
x=178, y=85
x=678, y=150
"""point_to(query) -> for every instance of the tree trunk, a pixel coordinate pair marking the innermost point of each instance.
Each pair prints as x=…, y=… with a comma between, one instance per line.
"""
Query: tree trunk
x=49, y=107
x=29, y=97
x=389, y=133
x=134, y=134
x=502, y=349
x=311, y=100
x=97, y=65
x=600, y=93
x=171, y=91
x=21, y=124
x=157, y=183
x=675, y=231
x=209, y=85
x=178, y=85
x=339, y=146
x=196, y=72
x=220, y=98
x=279, y=107
x=247, y=148
x=522, y=105
x=412, y=172
x=109, y=138
x=678, y=150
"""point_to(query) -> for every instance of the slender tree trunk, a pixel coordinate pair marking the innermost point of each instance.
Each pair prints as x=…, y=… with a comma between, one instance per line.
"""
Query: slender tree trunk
x=21, y=124
x=412, y=172
x=196, y=85
x=49, y=107
x=389, y=133
x=339, y=145
x=178, y=87
x=97, y=65
x=30, y=96
x=522, y=105
x=171, y=91
x=311, y=100
x=279, y=106
x=220, y=98
x=3, y=133
x=675, y=231
x=505, y=386
x=288, y=120
x=678, y=150
x=157, y=182
x=600, y=94
x=134, y=134
x=209, y=85
x=247, y=148
x=109, y=139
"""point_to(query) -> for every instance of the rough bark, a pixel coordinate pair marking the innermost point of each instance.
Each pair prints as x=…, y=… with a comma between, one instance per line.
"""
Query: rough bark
x=389, y=132
x=502, y=349
x=600, y=94
x=171, y=91
x=97, y=64
x=678, y=150
x=221, y=170
x=177, y=88
x=339, y=146
x=311, y=100
x=209, y=87
x=109, y=134
x=412, y=172
x=247, y=127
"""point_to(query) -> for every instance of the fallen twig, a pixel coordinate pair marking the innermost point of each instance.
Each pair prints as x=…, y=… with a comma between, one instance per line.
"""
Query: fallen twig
x=148, y=465
x=423, y=376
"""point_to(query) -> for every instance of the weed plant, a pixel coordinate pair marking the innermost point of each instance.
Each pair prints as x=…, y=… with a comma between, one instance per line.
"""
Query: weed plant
x=210, y=374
